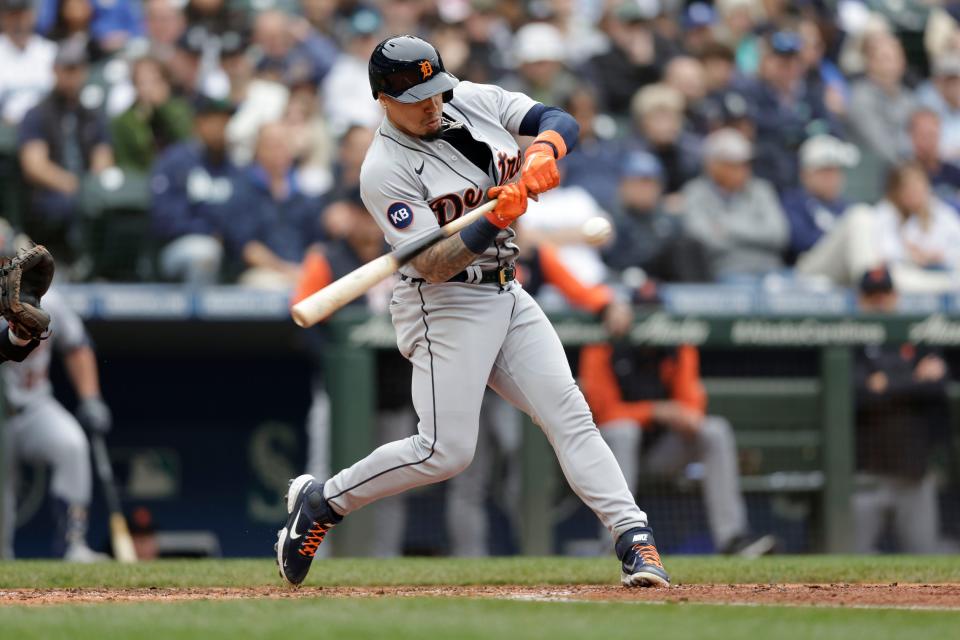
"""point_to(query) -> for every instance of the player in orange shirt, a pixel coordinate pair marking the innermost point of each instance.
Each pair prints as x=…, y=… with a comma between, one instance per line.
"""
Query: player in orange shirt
x=654, y=396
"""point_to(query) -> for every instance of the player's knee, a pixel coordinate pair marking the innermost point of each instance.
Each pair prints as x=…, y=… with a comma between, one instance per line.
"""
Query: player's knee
x=450, y=458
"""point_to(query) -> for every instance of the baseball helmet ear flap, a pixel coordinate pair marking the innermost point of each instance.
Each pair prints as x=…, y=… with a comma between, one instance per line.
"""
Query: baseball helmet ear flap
x=409, y=69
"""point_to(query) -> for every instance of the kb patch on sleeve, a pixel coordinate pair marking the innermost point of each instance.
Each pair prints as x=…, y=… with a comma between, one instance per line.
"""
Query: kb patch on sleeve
x=400, y=214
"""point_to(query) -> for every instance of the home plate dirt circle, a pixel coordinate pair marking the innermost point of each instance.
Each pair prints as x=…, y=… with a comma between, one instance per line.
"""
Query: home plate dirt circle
x=901, y=596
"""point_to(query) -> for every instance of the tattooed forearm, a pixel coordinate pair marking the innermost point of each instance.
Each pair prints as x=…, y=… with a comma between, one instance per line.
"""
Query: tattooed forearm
x=444, y=260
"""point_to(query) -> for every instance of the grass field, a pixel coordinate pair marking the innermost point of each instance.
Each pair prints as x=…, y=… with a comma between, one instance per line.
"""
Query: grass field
x=243, y=599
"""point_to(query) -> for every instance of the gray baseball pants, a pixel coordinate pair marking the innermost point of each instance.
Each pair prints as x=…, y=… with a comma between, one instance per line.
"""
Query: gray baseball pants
x=46, y=432
x=459, y=339
x=714, y=446
x=912, y=504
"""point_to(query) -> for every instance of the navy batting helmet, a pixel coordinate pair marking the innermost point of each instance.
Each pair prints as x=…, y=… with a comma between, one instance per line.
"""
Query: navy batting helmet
x=409, y=69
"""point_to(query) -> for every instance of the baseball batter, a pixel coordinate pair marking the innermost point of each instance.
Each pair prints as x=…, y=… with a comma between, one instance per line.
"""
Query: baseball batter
x=443, y=148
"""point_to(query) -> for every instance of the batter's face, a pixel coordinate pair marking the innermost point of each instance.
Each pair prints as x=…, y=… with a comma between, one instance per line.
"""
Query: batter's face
x=418, y=119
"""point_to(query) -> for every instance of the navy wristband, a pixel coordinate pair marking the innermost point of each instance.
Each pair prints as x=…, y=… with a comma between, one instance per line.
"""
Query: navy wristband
x=478, y=236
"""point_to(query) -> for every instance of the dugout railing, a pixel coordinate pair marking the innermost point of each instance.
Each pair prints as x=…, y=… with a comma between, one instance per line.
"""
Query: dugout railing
x=796, y=429
x=803, y=428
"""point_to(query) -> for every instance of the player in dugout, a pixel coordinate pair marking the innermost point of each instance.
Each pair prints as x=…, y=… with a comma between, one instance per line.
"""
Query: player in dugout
x=650, y=405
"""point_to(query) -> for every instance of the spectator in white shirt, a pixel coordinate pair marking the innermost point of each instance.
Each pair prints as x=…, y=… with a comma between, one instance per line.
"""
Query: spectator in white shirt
x=26, y=61
x=911, y=231
x=915, y=228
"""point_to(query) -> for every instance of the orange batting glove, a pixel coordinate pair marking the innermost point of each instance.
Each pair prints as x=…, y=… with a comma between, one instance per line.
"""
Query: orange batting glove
x=540, y=171
x=511, y=203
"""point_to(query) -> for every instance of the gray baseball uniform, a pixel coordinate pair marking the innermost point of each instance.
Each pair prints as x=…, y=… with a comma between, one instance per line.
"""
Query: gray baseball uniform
x=463, y=337
x=40, y=429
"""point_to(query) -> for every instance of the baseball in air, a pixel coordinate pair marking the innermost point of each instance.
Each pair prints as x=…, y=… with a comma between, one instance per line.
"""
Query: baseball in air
x=596, y=231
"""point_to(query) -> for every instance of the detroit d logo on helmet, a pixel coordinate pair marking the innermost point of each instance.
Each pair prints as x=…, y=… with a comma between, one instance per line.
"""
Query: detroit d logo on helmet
x=426, y=69
x=400, y=215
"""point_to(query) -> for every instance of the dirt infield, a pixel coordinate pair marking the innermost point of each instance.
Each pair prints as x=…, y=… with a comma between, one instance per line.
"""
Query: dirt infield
x=908, y=596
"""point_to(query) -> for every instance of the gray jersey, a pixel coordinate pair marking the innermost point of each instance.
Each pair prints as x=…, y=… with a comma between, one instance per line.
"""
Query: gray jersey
x=411, y=186
x=28, y=380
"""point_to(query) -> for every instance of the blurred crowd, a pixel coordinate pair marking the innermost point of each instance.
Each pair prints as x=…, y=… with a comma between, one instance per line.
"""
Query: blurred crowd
x=216, y=140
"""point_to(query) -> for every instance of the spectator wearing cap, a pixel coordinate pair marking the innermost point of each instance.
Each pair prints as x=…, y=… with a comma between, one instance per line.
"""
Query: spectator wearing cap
x=924, y=130
x=194, y=186
x=730, y=109
x=697, y=23
x=658, y=115
x=594, y=164
x=880, y=103
x=156, y=120
x=541, y=74
x=345, y=100
x=60, y=141
x=292, y=45
x=186, y=63
x=26, y=61
x=636, y=57
x=902, y=417
x=259, y=98
x=813, y=208
x=735, y=216
x=108, y=23
x=942, y=95
x=786, y=109
x=269, y=236
x=646, y=236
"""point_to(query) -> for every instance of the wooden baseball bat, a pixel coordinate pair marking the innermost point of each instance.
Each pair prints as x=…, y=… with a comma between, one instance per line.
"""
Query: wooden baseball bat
x=322, y=304
x=119, y=533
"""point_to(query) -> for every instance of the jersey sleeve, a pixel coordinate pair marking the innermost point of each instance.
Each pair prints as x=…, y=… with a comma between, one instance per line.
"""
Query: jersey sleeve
x=510, y=106
x=66, y=327
x=396, y=204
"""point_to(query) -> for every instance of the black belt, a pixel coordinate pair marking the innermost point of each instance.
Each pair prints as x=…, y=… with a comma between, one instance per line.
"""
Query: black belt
x=475, y=276
x=497, y=276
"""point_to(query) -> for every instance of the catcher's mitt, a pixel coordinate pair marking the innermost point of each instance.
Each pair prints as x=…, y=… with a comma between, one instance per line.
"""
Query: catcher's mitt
x=23, y=281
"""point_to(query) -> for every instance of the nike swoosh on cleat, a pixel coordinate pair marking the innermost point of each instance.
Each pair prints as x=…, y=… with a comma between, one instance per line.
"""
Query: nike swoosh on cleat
x=293, y=532
x=420, y=170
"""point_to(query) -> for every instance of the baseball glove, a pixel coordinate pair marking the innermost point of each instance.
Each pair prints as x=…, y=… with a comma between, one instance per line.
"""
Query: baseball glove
x=23, y=281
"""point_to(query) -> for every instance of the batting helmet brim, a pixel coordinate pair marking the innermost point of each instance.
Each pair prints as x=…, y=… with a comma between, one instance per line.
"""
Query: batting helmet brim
x=440, y=83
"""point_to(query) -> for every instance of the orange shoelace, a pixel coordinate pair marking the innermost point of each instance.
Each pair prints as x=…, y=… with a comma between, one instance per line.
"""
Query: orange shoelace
x=313, y=539
x=648, y=553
